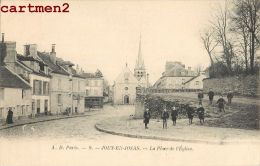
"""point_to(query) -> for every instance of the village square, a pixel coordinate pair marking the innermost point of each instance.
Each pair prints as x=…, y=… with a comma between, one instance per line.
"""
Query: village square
x=44, y=94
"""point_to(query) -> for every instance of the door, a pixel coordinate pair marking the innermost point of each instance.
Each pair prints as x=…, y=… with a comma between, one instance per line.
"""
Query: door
x=46, y=107
x=126, y=99
x=38, y=104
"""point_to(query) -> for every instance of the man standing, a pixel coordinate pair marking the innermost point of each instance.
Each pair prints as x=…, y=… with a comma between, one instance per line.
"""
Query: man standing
x=174, y=115
x=229, y=97
x=9, y=118
x=165, y=116
x=200, y=112
x=221, y=103
x=211, y=96
x=147, y=117
x=200, y=96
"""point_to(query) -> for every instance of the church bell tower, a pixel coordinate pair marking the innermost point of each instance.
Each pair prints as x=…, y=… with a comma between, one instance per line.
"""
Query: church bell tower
x=139, y=70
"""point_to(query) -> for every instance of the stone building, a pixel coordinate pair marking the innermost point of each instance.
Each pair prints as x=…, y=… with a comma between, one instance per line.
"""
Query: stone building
x=39, y=79
x=126, y=83
x=31, y=69
x=176, y=77
x=94, y=85
x=66, y=87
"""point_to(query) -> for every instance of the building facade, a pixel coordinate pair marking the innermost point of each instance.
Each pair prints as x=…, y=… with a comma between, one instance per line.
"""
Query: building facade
x=39, y=79
x=94, y=84
x=177, y=77
x=66, y=87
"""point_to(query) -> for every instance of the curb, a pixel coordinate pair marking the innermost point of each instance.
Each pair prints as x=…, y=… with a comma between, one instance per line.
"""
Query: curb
x=97, y=126
x=20, y=124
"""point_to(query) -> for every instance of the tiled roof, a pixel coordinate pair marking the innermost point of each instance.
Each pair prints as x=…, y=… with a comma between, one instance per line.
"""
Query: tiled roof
x=54, y=67
x=10, y=80
x=29, y=58
x=90, y=75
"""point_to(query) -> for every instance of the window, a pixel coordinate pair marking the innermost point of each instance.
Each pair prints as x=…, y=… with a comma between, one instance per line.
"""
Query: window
x=45, y=88
x=96, y=83
x=87, y=92
x=23, y=93
x=59, y=99
x=126, y=88
x=1, y=93
x=197, y=83
x=33, y=105
x=23, y=110
x=37, y=87
x=126, y=80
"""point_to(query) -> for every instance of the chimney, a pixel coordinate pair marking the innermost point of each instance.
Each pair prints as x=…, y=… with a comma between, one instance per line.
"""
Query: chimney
x=53, y=54
x=3, y=37
x=53, y=48
x=30, y=50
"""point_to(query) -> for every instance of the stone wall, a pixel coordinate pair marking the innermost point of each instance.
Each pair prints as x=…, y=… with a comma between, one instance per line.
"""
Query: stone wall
x=240, y=85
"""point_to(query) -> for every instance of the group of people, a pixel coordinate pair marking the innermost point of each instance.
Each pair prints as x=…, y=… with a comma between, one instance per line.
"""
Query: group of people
x=190, y=110
x=220, y=102
x=174, y=115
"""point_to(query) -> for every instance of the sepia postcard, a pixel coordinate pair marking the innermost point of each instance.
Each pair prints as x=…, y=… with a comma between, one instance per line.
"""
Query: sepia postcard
x=122, y=82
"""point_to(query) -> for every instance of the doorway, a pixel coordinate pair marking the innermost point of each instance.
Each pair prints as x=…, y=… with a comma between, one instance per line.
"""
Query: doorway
x=126, y=99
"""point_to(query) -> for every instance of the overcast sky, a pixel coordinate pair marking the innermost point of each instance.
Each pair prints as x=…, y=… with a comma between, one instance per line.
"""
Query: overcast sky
x=105, y=34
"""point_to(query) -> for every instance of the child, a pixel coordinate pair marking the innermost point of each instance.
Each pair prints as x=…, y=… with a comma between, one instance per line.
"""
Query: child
x=200, y=96
x=174, y=114
x=190, y=113
x=221, y=103
x=201, y=111
x=147, y=117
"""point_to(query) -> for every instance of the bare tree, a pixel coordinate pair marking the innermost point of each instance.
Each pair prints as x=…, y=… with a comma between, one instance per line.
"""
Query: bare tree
x=241, y=32
x=247, y=16
x=209, y=44
x=222, y=36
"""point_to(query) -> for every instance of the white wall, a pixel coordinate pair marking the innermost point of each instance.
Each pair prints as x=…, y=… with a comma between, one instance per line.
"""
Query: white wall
x=12, y=97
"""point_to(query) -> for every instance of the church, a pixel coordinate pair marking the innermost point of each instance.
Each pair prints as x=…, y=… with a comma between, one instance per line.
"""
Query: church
x=124, y=88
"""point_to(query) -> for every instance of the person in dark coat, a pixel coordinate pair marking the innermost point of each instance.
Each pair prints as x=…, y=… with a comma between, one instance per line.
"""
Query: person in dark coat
x=230, y=96
x=174, y=115
x=221, y=104
x=165, y=116
x=200, y=97
x=9, y=118
x=147, y=117
x=200, y=112
x=211, y=96
x=190, y=113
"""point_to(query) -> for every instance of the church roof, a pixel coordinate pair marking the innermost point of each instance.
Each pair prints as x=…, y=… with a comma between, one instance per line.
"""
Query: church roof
x=126, y=73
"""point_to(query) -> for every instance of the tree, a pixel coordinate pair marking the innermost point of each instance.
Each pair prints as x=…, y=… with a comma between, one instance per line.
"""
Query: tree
x=247, y=15
x=221, y=28
x=209, y=44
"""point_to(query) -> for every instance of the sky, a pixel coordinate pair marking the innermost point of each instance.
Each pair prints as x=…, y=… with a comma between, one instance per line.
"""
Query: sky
x=105, y=34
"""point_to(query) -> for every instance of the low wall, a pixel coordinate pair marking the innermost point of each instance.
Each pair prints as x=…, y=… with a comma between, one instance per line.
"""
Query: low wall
x=240, y=85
